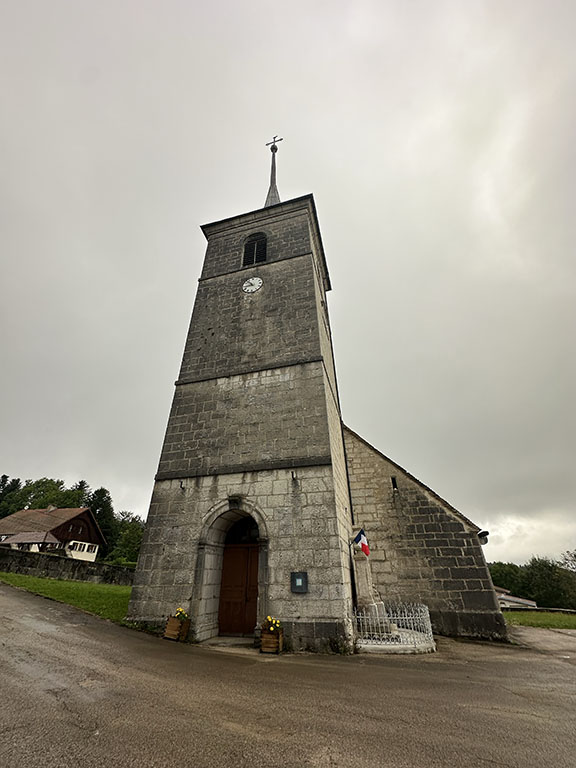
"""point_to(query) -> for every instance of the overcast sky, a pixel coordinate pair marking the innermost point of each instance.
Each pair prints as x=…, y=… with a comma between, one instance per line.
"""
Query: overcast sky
x=438, y=139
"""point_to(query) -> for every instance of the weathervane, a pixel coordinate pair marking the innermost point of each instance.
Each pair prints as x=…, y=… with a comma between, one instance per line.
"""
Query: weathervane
x=273, y=197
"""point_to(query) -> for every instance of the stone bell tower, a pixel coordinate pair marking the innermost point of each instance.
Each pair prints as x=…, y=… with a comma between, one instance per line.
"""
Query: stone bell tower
x=250, y=513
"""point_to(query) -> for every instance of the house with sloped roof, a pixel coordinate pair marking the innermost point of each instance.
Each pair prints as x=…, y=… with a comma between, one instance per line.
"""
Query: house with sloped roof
x=72, y=532
x=508, y=600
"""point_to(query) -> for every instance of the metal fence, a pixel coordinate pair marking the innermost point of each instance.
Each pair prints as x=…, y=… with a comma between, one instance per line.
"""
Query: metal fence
x=404, y=627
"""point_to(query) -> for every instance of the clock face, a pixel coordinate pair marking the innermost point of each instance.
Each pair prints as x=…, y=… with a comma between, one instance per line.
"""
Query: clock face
x=252, y=284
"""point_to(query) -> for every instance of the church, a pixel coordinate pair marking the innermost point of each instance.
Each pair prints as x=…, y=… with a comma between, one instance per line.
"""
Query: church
x=261, y=488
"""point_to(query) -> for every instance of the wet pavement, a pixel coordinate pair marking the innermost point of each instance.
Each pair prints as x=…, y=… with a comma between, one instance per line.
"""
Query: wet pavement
x=79, y=691
x=557, y=642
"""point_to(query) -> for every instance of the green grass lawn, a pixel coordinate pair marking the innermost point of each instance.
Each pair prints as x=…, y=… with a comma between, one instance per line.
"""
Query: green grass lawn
x=111, y=601
x=541, y=619
x=107, y=600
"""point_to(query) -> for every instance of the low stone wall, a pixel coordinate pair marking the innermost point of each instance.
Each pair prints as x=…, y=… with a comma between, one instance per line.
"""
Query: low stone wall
x=57, y=567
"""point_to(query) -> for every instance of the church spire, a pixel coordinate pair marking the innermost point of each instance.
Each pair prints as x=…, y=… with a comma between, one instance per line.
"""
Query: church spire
x=273, y=197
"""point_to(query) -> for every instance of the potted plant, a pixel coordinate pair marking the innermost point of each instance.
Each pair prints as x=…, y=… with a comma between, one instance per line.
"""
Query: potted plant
x=177, y=626
x=272, y=637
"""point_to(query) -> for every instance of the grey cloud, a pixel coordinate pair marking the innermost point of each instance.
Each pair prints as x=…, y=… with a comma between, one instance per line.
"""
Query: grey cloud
x=438, y=142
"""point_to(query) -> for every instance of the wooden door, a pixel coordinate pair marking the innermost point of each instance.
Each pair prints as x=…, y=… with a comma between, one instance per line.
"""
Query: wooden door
x=239, y=589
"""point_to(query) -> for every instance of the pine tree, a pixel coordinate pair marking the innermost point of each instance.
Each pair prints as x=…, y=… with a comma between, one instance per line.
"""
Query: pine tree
x=100, y=503
x=7, y=489
x=131, y=528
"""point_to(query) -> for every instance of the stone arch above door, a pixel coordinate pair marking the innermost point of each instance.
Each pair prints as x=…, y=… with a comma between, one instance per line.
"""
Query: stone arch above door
x=224, y=514
x=216, y=524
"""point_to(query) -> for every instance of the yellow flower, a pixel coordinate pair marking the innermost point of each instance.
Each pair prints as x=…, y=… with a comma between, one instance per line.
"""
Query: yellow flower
x=268, y=618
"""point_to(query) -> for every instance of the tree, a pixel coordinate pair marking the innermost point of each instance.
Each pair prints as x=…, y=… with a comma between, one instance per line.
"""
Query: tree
x=507, y=576
x=39, y=494
x=547, y=582
x=100, y=502
x=550, y=585
x=7, y=488
x=84, y=493
x=568, y=560
x=131, y=528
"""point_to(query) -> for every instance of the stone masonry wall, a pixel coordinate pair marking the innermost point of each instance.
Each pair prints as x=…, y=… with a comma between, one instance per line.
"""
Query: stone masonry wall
x=286, y=226
x=342, y=502
x=67, y=568
x=295, y=513
x=232, y=331
x=343, y=505
x=275, y=417
x=255, y=429
x=422, y=550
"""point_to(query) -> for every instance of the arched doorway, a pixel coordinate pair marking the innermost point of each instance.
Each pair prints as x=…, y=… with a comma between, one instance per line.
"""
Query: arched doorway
x=239, y=586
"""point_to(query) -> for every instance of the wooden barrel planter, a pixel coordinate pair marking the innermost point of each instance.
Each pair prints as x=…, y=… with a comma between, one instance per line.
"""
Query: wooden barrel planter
x=176, y=629
x=271, y=642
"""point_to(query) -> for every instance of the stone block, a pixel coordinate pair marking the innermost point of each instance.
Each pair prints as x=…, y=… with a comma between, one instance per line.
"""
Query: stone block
x=478, y=600
x=467, y=573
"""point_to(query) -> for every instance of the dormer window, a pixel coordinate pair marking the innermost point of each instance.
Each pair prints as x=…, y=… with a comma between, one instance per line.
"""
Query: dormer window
x=254, y=249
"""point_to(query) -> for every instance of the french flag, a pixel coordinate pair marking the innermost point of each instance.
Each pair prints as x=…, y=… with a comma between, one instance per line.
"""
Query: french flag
x=362, y=541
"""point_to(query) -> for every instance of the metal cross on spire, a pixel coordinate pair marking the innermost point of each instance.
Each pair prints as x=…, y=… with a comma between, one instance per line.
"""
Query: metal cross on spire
x=273, y=197
x=273, y=143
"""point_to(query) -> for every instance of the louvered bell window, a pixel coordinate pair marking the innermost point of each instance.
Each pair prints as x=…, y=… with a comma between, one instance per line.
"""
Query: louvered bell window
x=254, y=249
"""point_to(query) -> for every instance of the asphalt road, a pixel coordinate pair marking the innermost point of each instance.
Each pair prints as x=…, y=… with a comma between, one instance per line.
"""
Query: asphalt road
x=79, y=691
